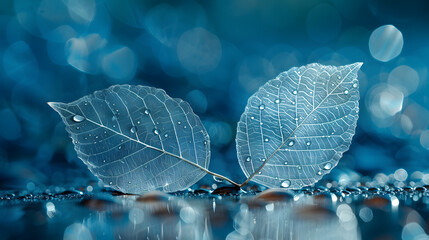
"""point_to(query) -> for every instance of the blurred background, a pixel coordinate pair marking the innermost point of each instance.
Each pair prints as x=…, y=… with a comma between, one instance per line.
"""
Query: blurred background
x=213, y=54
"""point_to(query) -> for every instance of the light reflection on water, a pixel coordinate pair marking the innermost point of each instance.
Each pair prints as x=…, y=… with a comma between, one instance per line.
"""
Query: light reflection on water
x=309, y=213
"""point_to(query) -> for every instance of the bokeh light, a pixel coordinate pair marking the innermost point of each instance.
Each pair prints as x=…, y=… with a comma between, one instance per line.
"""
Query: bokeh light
x=386, y=43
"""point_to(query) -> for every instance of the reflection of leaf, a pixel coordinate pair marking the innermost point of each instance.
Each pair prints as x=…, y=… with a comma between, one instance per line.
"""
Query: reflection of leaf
x=296, y=127
x=137, y=138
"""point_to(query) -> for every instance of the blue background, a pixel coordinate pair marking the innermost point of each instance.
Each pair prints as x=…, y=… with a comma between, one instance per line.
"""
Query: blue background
x=214, y=54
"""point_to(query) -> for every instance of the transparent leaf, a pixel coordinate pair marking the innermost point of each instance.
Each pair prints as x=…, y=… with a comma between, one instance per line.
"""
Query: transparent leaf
x=137, y=139
x=296, y=127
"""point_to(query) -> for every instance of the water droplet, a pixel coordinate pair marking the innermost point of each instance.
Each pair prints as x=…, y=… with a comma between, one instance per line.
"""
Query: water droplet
x=299, y=167
x=286, y=163
x=263, y=159
x=346, y=92
x=294, y=92
x=138, y=122
x=266, y=139
x=252, y=117
x=205, y=142
x=119, y=148
x=147, y=111
x=293, y=103
x=217, y=179
x=110, y=183
x=156, y=131
x=339, y=77
x=328, y=166
x=78, y=118
x=133, y=129
x=262, y=107
x=319, y=173
x=308, y=143
x=248, y=159
x=179, y=122
x=184, y=126
x=166, y=135
x=291, y=143
x=285, y=184
x=259, y=172
x=355, y=85
x=296, y=119
x=129, y=182
x=77, y=128
x=277, y=101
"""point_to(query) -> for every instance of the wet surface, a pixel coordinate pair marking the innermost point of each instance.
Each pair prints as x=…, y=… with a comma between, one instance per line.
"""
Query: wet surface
x=353, y=212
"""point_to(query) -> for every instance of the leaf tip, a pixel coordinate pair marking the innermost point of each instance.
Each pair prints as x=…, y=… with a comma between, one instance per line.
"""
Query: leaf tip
x=54, y=105
x=357, y=65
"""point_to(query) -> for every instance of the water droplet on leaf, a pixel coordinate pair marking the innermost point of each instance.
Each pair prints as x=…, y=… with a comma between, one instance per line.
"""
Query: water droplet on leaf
x=78, y=118
x=285, y=184
x=328, y=166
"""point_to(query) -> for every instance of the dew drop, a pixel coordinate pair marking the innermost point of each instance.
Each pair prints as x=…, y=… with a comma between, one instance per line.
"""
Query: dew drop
x=78, y=118
x=110, y=183
x=294, y=92
x=293, y=103
x=346, y=92
x=138, y=122
x=262, y=107
x=308, y=143
x=286, y=163
x=328, y=166
x=339, y=77
x=205, y=142
x=252, y=117
x=291, y=143
x=266, y=139
x=77, y=128
x=179, y=122
x=166, y=135
x=285, y=184
x=104, y=161
x=355, y=85
x=129, y=182
x=115, y=117
x=296, y=119
x=299, y=167
x=263, y=159
x=156, y=131
x=119, y=148
x=217, y=179
x=133, y=129
x=248, y=159
x=259, y=173
x=147, y=111
x=277, y=101
x=319, y=173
